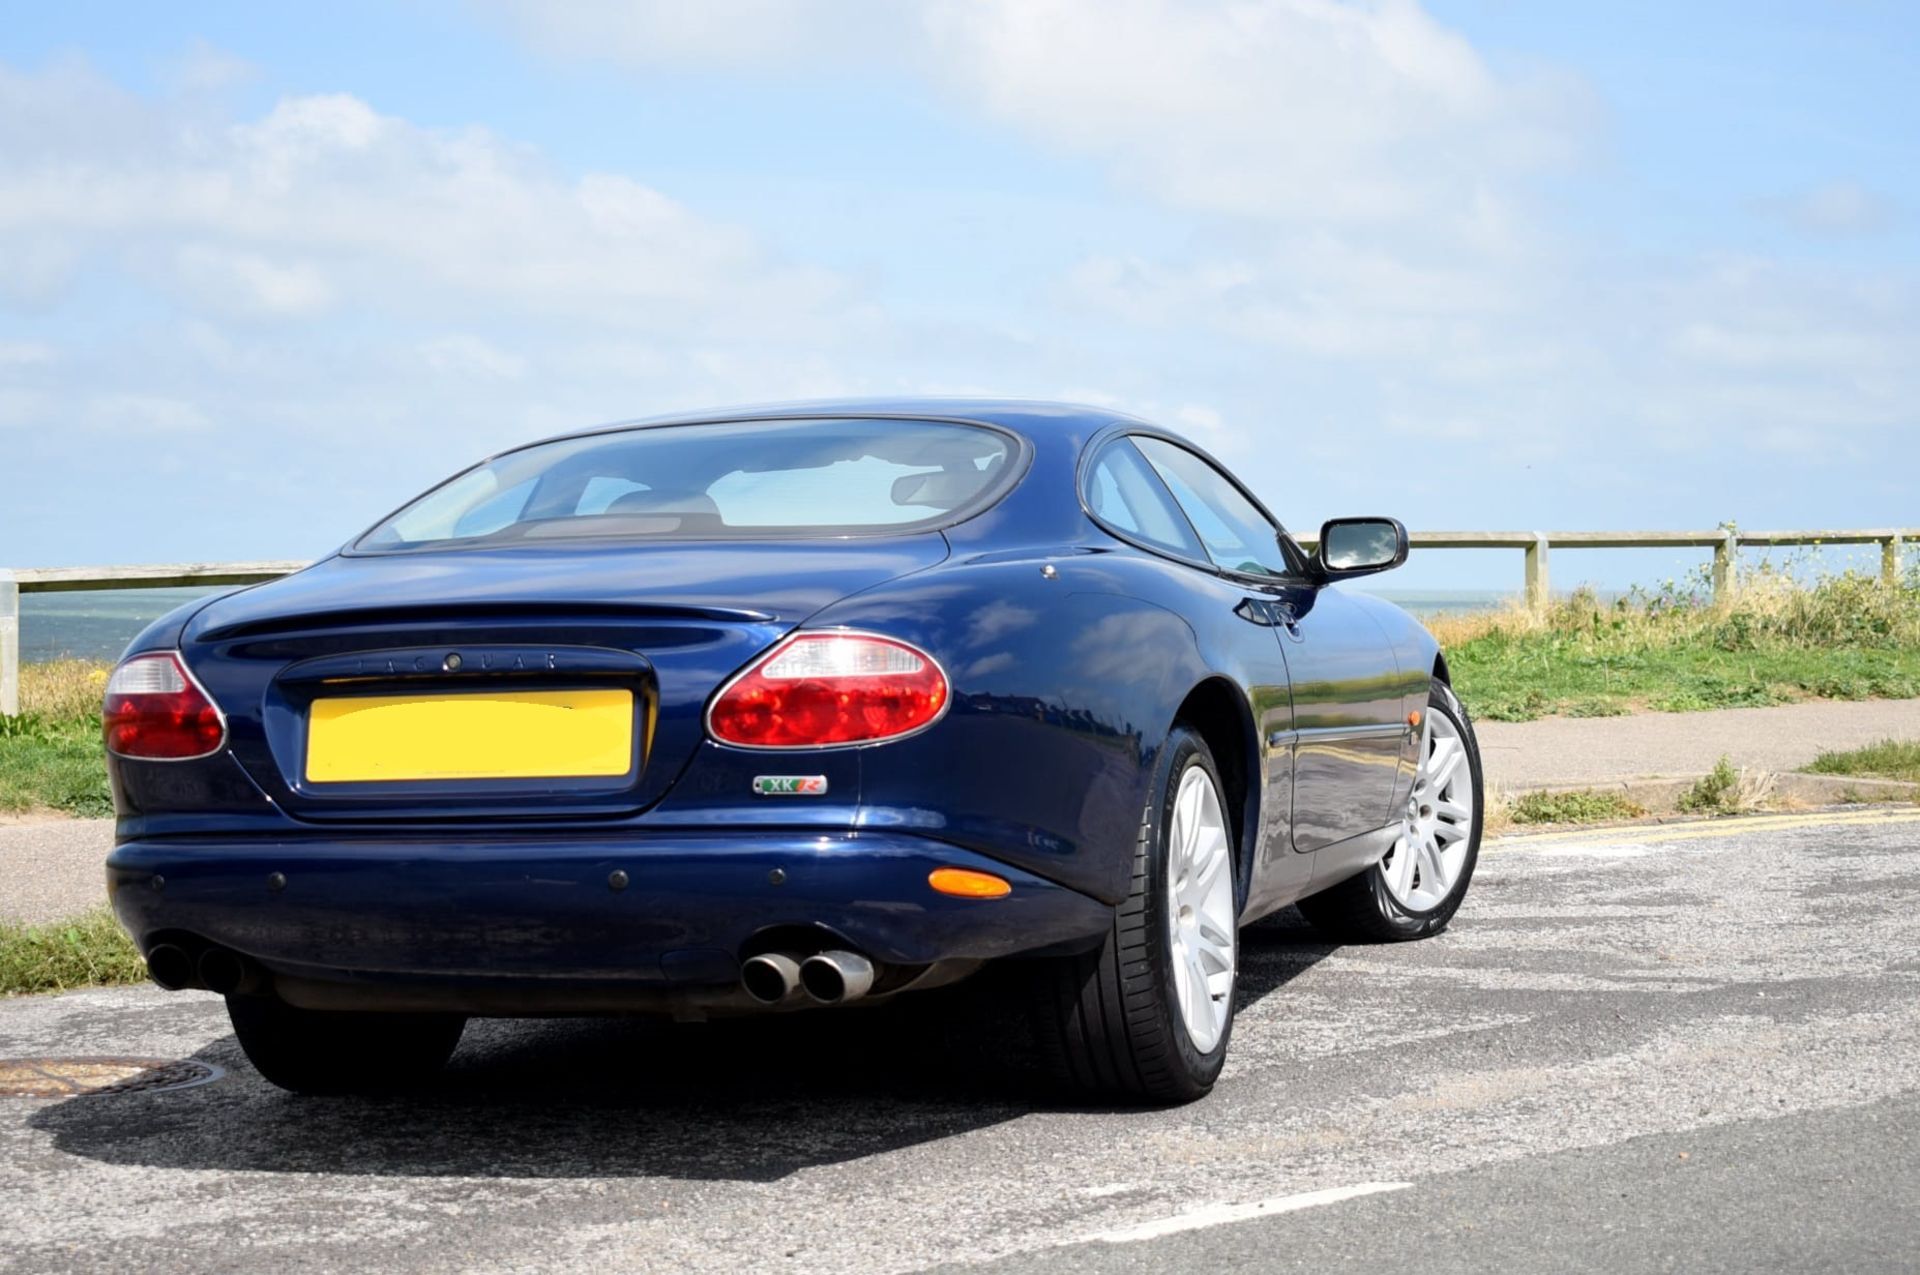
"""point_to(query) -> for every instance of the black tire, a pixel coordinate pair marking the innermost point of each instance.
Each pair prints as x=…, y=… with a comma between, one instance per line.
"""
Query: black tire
x=313, y=1051
x=1108, y=1022
x=1362, y=909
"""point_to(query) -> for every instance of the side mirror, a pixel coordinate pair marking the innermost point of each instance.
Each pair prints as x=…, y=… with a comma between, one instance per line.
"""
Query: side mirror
x=1352, y=547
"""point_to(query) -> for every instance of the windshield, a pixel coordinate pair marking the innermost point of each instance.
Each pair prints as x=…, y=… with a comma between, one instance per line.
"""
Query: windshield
x=698, y=482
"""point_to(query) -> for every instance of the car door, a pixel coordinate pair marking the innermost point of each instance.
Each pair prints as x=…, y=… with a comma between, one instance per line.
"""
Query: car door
x=1127, y=495
x=1347, y=736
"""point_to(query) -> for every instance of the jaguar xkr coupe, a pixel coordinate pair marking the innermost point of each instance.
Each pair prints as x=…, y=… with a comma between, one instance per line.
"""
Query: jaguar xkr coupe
x=763, y=710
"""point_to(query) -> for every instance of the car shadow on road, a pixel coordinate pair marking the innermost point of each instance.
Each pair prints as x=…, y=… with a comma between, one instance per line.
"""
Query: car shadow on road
x=1274, y=952
x=744, y=1100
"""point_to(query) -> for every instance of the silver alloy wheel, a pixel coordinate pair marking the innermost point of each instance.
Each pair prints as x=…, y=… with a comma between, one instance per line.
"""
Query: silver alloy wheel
x=1431, y=850
x=1200, y=920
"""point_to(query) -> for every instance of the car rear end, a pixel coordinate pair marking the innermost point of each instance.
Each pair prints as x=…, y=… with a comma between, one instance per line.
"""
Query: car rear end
x=564, y=737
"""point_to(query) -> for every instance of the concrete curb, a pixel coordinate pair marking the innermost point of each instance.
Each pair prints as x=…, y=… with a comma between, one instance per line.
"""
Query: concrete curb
x=1658, y=792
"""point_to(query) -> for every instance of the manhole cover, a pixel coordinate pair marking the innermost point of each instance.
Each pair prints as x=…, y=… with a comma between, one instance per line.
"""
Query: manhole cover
x=73, y=1077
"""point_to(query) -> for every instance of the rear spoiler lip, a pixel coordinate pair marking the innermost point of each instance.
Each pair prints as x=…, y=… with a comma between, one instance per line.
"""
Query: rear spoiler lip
x=434, y=612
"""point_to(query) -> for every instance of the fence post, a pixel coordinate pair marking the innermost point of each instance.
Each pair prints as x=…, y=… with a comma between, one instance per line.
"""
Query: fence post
x=1726, y=568
x=1890, y=561
x=1537, y=591
x=9, y=644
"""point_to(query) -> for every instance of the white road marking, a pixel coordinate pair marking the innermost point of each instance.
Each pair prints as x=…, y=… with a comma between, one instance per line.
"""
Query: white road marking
x=1219, y=1214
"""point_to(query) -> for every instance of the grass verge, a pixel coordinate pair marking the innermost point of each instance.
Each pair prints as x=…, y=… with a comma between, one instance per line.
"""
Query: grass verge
x=1888, y=759
x=88, y=951
x=1848, y=637
x=50, y=756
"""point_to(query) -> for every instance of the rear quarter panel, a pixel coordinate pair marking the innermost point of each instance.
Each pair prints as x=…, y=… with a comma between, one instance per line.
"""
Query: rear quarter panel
x=1064, y=689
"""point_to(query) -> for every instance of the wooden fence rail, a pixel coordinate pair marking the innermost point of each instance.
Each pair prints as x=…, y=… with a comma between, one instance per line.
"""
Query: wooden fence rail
x=1535, y=547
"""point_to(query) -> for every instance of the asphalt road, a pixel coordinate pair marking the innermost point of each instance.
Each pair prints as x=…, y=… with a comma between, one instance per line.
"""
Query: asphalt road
x=1684, y=1047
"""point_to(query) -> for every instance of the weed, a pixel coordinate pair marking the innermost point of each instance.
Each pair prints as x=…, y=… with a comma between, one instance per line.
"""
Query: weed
x=1726, y=791
x=1585, y=806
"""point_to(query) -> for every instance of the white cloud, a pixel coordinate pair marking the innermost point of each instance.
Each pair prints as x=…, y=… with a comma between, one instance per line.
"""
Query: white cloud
x=1352, y=252
x=1269, y=109
x=324, y=201
x=321, y=307
x=1359, y=175
x=460, y=354
x=1375, y=258
x=25, y=353
x=663, y=32
x=203, y=68
x=248, y=283
x=142, y=414
x=1838, y=208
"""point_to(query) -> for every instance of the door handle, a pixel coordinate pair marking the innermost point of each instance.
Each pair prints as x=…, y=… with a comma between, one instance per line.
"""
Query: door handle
x=1269, y=612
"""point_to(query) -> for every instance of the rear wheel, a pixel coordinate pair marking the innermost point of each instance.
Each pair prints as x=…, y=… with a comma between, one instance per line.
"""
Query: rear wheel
x=1147, y=1017
x=340, y=1052
x=1415, y=890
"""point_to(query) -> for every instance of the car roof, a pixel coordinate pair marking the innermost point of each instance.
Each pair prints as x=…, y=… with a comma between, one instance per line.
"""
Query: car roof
x=1038, y=419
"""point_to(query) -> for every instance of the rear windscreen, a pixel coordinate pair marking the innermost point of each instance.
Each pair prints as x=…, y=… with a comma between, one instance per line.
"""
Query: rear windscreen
x=732, y=479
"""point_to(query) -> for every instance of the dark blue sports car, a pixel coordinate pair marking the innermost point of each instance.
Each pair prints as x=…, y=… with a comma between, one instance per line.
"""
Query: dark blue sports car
x=757, y=710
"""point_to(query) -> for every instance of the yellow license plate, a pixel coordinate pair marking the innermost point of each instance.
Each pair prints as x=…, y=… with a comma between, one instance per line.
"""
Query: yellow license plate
x=508, y=735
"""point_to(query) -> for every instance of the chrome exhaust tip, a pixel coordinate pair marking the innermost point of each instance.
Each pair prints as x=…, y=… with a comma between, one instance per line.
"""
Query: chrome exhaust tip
x=170, y=966
x=834, y=978
x=770, y=977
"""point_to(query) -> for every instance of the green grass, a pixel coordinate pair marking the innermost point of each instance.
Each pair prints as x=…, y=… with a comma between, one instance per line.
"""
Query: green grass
x=88, y=951
x=50, y=755
x=52, y=766
x=1888, y=759
x=1584, y=806
x=1842, y=637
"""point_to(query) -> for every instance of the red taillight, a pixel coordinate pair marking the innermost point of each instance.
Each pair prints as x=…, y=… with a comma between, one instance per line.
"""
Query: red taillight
x=830, y=688
x=156, y=710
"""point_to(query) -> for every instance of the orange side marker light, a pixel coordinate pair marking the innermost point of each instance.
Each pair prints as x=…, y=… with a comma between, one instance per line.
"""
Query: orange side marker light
x=1413, y=718
x=964, y=883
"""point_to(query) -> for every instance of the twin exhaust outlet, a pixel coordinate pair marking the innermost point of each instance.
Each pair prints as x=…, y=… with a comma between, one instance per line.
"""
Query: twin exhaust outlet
x=215, y=969
x=831, y=978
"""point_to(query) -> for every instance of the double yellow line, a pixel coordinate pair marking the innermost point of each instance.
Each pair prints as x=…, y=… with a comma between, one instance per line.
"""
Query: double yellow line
x=1744, y=825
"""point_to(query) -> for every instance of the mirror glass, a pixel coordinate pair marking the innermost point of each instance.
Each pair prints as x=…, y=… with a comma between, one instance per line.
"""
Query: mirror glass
x=1362, y=542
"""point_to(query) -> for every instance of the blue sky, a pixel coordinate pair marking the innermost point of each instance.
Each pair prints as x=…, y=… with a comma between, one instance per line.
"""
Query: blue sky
x=267, y=270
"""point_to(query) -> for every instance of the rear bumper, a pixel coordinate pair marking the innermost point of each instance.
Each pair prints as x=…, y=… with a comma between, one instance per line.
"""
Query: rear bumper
x=544, y=921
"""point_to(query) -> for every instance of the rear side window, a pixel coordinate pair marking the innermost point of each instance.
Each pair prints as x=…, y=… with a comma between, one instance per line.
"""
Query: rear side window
x=729, y=479
x=1237, y=535
x=1123, y=492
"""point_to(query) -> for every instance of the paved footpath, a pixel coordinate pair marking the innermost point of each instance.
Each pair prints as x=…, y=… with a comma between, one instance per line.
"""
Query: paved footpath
x=51, y=868
x=1578, y=750
x=1683, y=1047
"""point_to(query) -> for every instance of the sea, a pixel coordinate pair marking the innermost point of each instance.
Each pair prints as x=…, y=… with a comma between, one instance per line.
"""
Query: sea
x=97, y=625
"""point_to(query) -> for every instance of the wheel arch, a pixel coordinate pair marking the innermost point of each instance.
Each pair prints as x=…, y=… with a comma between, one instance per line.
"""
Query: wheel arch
x=1218, y=712
x=1440, y=673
